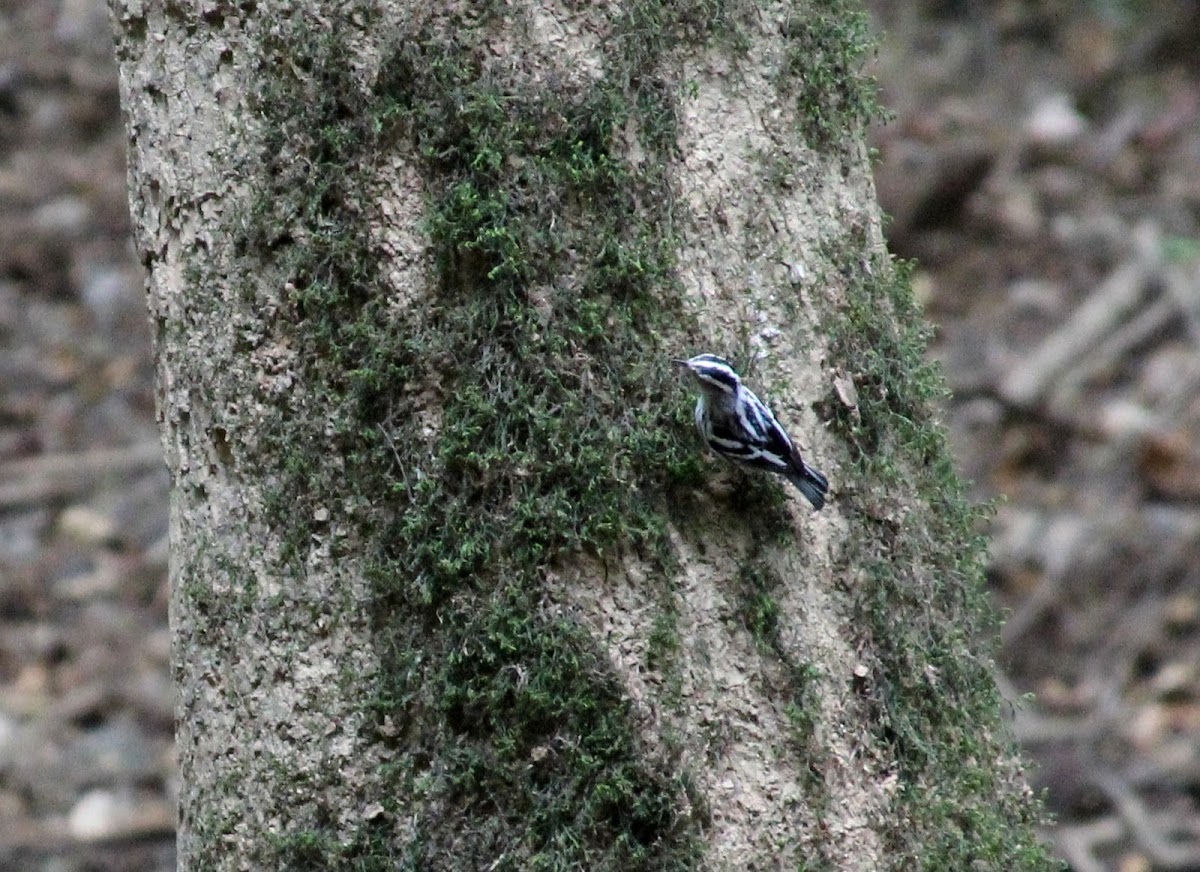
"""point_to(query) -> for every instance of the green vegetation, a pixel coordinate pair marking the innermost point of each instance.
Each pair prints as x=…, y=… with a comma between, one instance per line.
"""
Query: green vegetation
x=829, y=41
x=919, y=599
x=521, y=412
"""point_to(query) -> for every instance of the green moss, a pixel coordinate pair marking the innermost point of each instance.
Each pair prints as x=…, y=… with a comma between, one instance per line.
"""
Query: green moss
x=220, y=591
x=542, y=348
x=664, y=645
x=920, y=605
x=757, y=604
x=829, y=42
x=317, y=850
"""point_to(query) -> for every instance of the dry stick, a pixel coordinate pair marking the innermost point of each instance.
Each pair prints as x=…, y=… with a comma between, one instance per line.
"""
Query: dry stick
x=1133, y=811
x=1031, y=727
x=1064, y=395
x=1182, y=392
x=1182, y=289
x=33, y=481
x=1055, y=543
x=1179, y=298
x=1106, y=309
x=1077, y=843
x=1102, y=313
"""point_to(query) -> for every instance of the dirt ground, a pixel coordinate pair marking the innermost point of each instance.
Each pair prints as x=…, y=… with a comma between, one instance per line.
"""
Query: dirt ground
x=1041, y=167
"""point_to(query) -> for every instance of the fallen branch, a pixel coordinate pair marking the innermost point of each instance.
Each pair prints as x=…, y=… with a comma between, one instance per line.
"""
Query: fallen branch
x=56, y=476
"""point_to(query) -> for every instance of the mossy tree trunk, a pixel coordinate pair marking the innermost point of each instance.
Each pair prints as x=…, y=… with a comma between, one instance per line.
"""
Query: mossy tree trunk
x=453, y=585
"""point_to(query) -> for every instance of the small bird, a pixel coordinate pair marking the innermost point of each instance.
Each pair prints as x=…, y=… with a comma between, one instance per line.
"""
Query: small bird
x=738, y=426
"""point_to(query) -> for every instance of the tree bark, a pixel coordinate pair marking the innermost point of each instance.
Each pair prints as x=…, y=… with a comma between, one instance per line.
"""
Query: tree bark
x=453, y=586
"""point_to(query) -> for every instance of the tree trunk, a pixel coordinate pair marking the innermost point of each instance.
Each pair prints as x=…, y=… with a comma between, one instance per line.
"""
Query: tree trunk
x=454, y=586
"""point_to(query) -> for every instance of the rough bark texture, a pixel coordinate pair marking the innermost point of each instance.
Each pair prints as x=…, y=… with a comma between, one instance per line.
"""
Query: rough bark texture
x=452, y=587
x=268, y=731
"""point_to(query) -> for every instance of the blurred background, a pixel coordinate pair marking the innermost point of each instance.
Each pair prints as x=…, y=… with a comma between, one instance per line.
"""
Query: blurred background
x=1043, y=167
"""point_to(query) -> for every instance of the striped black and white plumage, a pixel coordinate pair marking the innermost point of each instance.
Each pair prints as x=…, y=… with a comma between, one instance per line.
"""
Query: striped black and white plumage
x=738, y=426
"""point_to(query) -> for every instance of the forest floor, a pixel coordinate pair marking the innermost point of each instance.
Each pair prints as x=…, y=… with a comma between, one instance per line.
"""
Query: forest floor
x=1042, y=168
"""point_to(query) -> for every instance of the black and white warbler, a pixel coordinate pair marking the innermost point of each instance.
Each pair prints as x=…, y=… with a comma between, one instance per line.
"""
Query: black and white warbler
x=738, y=426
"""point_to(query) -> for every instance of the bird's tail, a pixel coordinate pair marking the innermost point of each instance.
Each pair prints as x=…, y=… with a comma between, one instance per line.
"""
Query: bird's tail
x=812, y=484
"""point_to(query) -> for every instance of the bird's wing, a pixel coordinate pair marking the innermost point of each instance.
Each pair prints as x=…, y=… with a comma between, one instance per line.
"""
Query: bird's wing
x=759, y=442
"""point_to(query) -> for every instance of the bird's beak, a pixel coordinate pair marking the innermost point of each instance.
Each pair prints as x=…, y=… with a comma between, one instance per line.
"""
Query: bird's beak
x=678, y=362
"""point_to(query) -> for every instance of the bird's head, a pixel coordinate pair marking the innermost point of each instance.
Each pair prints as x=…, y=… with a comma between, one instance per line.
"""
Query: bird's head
x=712, y=373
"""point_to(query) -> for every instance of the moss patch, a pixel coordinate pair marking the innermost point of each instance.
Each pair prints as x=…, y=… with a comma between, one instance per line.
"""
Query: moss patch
x=829, y=41
x=543, y=348
x=920, y=602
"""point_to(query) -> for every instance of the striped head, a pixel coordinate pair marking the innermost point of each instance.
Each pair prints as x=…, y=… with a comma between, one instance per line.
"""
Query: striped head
x=713, y=374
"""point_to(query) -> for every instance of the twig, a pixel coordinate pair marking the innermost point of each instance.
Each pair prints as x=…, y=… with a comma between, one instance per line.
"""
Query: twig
x=1149, y=837
x=38, y=479
x=1181, y=289
x=1105, y=310
x=1054, y=543
x=1146, y=324
x=1077, y=843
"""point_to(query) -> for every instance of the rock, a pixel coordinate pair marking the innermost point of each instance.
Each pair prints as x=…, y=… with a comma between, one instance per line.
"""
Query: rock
x=85, y=526
x=97, y=815
x=1055, y=121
